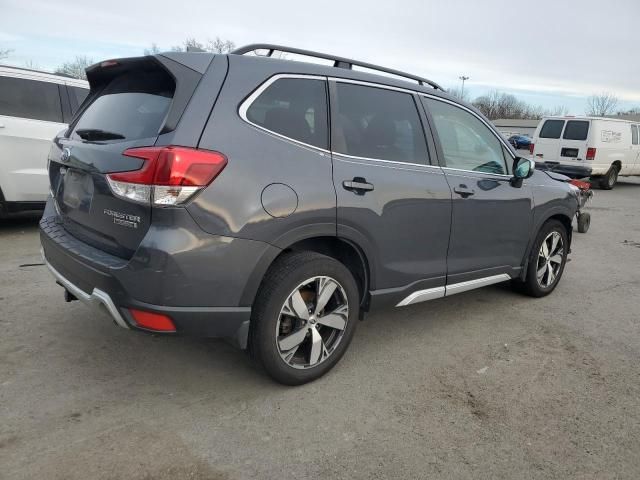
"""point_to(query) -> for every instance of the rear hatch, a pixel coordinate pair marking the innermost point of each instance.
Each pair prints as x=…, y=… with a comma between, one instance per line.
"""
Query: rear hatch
x=130, y=103
x=562, y=141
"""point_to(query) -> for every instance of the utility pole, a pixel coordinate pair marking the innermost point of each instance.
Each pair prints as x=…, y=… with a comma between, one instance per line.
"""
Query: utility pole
x=463, y=78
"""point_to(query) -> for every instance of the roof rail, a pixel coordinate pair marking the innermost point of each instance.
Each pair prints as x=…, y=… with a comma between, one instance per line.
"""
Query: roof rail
x=339, y=62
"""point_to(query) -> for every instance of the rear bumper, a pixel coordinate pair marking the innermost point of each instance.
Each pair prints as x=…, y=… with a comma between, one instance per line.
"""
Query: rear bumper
x=571, y=171
x=115, y=285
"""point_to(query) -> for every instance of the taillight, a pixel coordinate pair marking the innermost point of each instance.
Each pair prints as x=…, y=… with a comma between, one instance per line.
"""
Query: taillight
x=531, y=148
x=168, y=176
x=591, y=153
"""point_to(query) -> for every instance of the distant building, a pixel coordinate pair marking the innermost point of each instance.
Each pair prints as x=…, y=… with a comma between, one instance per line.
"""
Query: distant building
x=509, y=127
x=632, y=117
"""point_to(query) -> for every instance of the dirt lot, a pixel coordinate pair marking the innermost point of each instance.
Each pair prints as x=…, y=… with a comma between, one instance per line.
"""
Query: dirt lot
x=487, y=384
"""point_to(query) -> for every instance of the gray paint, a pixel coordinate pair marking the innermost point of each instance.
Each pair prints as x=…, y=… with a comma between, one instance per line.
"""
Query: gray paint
x=204, y=263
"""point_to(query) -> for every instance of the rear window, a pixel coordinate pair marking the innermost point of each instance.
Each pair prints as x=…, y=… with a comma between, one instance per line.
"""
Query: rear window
x=634, y=134
x=552, y=129
x=131, y=106
x=30, y=99
x=576, y=130
x=295, y=108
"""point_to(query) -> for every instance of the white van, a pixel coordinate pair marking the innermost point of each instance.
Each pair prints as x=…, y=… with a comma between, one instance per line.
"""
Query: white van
x=34, y=107
x=601, y=148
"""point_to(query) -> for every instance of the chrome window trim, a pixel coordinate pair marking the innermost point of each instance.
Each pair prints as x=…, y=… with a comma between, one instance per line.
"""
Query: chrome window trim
x=475, y=172
x=393, y=163
x=246, y=104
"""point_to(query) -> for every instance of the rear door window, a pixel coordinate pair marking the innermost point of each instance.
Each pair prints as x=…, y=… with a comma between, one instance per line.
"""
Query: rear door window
x=295, y=108
x=131, y=106
x=576, y=130
x=31, y=99
x=634, y=135
x=378, y=123
x=551, y=129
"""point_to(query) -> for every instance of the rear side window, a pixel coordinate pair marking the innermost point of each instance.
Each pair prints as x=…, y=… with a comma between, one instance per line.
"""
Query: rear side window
x=552, y=129
x=30, y=99
x=634, y=135
x=378, y=123
x=295, y=108
x=78, y=95
x=576, y=130
x=131, y=106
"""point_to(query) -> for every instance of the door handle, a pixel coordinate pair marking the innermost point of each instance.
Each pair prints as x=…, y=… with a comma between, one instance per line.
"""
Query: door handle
x=464, y=191
x=358, y=185
x=1, y=126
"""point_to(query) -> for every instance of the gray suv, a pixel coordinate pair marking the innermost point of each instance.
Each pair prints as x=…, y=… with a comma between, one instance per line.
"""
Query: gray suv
x=273, y=202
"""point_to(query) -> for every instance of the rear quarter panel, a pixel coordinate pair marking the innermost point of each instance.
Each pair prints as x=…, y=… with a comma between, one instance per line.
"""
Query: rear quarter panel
x=263, y=168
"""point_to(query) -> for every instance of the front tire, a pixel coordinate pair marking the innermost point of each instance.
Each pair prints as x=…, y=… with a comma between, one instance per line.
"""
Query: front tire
x=547, y=260
x=304, y=317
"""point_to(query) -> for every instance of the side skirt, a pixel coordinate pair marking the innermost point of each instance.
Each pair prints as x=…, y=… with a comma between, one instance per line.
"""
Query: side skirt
x=439, y=292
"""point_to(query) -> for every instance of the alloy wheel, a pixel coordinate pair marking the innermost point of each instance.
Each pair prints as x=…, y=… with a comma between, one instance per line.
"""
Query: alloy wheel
x=550, y=259
x=312, y=322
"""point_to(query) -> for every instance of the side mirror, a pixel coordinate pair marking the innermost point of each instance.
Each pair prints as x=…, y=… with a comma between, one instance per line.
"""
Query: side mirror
x=523, y=168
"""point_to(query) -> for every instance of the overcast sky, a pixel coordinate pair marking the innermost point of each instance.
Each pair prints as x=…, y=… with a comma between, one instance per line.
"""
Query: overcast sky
x=547, y=52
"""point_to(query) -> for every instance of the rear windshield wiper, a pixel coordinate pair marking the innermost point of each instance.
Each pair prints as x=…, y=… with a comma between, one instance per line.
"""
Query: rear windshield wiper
x=97, y=134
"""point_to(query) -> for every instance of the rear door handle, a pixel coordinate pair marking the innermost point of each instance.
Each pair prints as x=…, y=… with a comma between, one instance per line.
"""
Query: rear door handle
x=358, y=185
x=464, y=191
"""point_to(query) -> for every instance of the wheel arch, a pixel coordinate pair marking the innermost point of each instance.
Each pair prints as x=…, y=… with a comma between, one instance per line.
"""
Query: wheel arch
x=343, y=250
x=563, y=217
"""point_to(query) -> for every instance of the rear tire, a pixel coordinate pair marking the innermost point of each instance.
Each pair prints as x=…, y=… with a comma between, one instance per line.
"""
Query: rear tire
x=545, y=264
x=297, y=334
x=611, y=177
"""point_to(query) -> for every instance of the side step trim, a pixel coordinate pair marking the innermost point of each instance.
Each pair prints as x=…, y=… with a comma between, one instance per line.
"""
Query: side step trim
x=473, y=284
x=423, y=296
x=439, y=292
x=96, y=298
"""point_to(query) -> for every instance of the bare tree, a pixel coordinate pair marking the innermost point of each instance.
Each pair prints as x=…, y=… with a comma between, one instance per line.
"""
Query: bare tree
x=601, y=105
x=153, y=50
x=5, y=52
x=497, y=104
x=31, y=65
x=220, y=46
x=75, y=68
x=457, y=92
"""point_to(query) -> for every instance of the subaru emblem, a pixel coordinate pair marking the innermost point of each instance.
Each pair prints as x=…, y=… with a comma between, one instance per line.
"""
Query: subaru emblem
x=65, y=155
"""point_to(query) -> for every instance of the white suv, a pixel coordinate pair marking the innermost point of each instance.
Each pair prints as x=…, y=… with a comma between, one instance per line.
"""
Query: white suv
x=34, y=107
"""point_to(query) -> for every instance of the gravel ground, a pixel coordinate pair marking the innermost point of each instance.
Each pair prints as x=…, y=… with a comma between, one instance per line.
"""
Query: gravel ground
x=486, y=384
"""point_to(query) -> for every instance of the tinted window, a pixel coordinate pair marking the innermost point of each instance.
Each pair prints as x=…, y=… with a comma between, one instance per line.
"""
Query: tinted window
x=634, y=134
x=133, y=105
x=377, y=123
x=295, y=108
x=467, y=143
x=30, y=99
x=78, y=95
x=552, y=129
x=576, y=130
